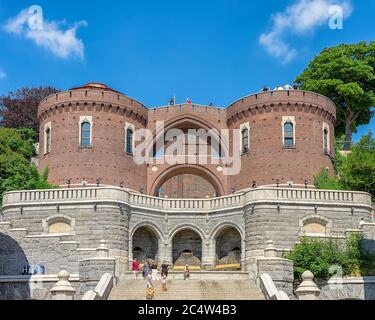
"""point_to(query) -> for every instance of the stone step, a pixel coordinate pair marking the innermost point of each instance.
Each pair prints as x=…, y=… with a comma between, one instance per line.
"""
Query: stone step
x=189, y=290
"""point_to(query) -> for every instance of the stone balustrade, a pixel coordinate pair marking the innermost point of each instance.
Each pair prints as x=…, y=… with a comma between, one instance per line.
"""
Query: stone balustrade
x=307, y=195
x=259, y=195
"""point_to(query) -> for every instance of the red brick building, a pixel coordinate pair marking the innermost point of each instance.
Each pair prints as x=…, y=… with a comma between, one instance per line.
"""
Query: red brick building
x=88, y=136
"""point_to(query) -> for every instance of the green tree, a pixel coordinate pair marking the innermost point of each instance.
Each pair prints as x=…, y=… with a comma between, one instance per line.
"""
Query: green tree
x=345, y=74
x=19, y=109
x=326, y=182
x=319, y=256
x=16, y=171
x=356, y=171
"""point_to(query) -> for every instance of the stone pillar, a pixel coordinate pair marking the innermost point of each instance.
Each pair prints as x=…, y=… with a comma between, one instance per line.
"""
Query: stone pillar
x=307, y=290
x=102, y=251
x=243, y=254
x=270, y=251
x=167, y=253
x=63, y=290
x=212, y=252
x=207, y=260
x=160, y=253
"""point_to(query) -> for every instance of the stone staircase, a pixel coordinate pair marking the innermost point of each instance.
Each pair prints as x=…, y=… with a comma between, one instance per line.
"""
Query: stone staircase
x=189, y=290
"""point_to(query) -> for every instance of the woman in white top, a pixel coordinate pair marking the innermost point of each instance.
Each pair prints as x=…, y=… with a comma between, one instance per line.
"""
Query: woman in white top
x=155, y=276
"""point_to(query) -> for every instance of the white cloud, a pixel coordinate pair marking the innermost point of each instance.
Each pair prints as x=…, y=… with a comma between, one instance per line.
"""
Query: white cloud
x=302, y=17
x=52, y=37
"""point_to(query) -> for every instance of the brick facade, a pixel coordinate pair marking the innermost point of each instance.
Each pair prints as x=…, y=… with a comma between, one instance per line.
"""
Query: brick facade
x=110, y=113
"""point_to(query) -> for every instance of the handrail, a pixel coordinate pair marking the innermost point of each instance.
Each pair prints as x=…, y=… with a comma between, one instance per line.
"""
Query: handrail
x=114, y=194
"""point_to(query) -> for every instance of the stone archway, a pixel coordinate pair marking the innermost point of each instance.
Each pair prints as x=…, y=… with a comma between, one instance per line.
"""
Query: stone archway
x=145, y=244
x=228, y=244
x=187, y=248
x=196, y=170
x=186, y=122
x=14, y=262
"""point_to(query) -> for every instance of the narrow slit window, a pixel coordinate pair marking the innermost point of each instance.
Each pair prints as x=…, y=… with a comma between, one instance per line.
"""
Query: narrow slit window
x=325, y=141
x=245, y=140
x=129, y=141
x=48, y=140
x=288, y=135
x=85, y=134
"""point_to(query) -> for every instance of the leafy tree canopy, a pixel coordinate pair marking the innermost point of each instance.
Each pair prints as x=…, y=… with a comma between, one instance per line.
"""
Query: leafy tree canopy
x=345, y=74
x=19, y=109
x=16, y=171
x=322, y=256
x=356, y=171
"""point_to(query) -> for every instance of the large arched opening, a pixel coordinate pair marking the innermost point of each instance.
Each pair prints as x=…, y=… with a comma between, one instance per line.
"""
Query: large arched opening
x=13, y=262
x=187, y=249
x=228, y=248
x=187, y=181
x=145, y=245
x=190, y=170
x=211, y=135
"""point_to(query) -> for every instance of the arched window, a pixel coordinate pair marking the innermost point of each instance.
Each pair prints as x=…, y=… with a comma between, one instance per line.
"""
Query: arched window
x=48, y=140
x=129, y=141
x=288, y=135
x=85, y=134
x=325, y=141
x=245, y=140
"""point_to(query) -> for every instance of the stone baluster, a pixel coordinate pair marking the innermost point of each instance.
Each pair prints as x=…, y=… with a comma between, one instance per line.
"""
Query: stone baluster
x=307, y=290
x=63, y=290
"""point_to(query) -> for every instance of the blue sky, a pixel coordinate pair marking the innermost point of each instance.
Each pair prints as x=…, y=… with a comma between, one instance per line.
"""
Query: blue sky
x=210, y=51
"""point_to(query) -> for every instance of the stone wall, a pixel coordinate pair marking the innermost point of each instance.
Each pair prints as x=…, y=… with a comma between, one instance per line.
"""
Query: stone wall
x=91, y=270
x=283, y=223
x=368, y=242
x=32, y=288
x=348, y=289
x=281, y=272
x=92, y=223
x=249, y=220
x=52, y=251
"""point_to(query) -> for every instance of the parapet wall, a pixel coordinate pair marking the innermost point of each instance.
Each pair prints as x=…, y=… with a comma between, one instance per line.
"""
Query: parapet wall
x=262, y=101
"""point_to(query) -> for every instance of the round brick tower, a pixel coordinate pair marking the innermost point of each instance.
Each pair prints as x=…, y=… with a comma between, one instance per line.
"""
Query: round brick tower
x=290, y=137
x=83, y=137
